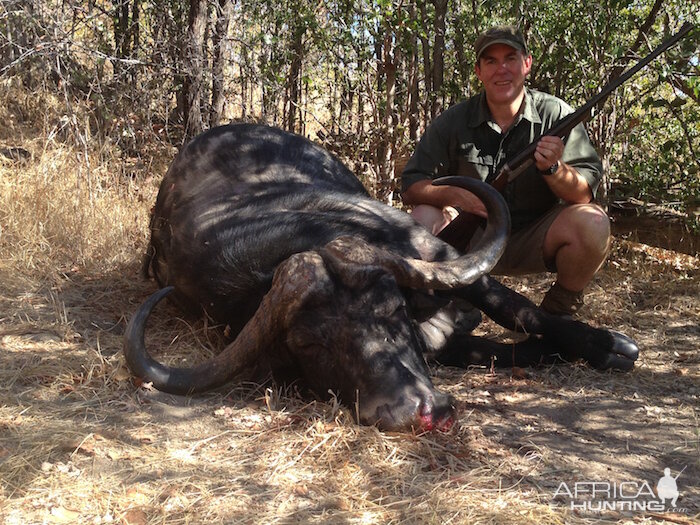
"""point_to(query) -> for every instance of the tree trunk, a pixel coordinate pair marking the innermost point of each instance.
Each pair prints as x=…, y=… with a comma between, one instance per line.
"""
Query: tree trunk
x=121, y=29
x=413, y=94
x=386, y=174
x=427, y=63
x=294, y=78
x=438, y=57
x=409, y=110
x=462, y=62
x=135, y=35
x=122, y=36
x=269, y=99
x=244, y=72
x=476, y=17
x=360, y=122
x=194, y=64
x=223, y=17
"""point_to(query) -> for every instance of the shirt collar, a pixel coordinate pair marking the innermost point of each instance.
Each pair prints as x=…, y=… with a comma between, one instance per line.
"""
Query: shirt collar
x=530, y=111
x=483, y=115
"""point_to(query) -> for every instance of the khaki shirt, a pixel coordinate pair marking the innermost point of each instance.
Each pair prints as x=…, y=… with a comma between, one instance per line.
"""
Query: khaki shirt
x=464, y=140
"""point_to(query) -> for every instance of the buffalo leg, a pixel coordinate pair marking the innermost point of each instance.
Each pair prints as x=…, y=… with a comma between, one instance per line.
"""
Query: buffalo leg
x=465, y=350
x=572, y=339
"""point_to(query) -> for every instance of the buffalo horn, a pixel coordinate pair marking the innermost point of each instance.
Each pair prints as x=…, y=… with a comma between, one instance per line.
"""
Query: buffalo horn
x=296, y=279
x=440, y=275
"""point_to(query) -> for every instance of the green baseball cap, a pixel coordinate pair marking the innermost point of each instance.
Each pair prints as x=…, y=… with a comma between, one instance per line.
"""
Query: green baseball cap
x=508, y=35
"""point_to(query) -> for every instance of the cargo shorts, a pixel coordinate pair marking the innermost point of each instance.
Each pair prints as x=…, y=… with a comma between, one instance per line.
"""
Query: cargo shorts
x=524, y=251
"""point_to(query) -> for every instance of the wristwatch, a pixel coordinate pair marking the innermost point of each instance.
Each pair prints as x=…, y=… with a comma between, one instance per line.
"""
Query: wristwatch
x=551, y=170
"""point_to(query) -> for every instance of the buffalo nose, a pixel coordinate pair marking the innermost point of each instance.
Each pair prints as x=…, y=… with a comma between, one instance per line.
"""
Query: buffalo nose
x=437, y=414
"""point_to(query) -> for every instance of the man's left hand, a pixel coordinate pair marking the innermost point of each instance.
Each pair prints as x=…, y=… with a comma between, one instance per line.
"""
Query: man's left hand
x=548, y=152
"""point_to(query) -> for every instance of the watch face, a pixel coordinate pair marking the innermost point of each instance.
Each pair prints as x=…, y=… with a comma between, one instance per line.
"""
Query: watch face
x=551, y=170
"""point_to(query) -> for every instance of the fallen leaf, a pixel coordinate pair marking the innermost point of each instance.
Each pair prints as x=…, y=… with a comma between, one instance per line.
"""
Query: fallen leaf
x=63, y=515
x=136, y=497
x=301, y=490
x=134, y=517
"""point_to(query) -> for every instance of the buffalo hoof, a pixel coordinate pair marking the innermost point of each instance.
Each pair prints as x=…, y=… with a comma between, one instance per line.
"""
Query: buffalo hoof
x=621, y=356
x=624, y=345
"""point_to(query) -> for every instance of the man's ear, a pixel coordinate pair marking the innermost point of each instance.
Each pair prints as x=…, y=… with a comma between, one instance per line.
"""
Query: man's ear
x=528, y=64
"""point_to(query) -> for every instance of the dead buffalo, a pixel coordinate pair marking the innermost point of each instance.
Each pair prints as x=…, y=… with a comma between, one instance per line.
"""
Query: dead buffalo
x=273, y=236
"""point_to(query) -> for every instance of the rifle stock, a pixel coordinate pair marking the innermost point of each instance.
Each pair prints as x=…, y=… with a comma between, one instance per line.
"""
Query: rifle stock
x=460, y=231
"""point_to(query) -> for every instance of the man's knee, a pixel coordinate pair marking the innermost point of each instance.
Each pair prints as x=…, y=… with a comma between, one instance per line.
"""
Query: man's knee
x=594, y=225
x=586, y=225
x=434, y=219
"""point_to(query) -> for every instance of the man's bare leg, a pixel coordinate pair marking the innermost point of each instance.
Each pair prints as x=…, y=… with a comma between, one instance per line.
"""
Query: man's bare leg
x=577, y=242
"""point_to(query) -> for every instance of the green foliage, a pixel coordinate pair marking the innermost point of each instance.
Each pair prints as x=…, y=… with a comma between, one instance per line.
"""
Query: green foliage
x=365, y=76
x=660, y=162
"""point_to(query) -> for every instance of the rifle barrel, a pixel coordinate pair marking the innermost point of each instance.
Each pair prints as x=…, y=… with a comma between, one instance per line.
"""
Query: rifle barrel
x=681, y=472
x=564, y=125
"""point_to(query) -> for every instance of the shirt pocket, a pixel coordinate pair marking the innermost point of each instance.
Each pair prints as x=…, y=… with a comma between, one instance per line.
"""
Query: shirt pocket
x=471, y=162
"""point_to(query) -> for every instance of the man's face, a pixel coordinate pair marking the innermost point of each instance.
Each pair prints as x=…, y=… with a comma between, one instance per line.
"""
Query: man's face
x=502, y=70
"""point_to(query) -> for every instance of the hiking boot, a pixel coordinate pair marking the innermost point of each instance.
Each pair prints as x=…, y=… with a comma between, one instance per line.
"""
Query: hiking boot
x=560, y=301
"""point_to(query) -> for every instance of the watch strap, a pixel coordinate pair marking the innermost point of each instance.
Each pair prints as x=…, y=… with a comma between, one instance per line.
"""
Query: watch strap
x=551, y=170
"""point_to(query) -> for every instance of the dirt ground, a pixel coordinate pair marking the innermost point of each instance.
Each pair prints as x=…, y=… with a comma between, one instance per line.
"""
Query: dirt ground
x=81, y=442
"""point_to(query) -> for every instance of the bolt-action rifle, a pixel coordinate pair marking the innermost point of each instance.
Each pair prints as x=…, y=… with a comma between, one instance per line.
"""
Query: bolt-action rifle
x=460, y=231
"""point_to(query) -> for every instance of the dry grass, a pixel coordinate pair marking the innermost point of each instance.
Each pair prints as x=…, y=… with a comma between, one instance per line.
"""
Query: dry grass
x=79, y=443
